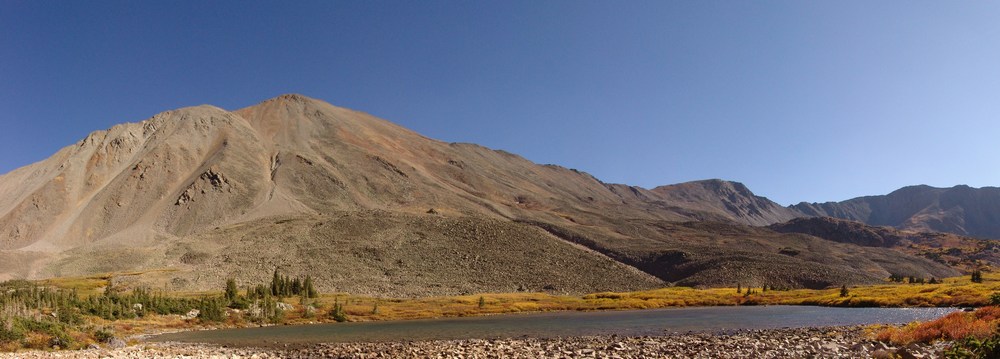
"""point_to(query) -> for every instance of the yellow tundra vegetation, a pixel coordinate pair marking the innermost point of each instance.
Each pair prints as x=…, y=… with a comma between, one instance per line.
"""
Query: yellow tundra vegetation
x=959, y=291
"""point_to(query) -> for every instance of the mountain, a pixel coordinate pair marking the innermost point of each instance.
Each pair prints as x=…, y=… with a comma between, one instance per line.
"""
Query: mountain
x=194, y=195
x=731, y=199
x=956, y=251
x=961, y=210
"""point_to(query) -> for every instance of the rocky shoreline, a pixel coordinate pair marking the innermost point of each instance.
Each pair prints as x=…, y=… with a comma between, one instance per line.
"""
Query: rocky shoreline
x=830, y=342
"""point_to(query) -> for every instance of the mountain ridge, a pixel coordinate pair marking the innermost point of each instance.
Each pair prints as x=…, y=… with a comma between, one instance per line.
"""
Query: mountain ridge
x=960, y=209
x=211, y=193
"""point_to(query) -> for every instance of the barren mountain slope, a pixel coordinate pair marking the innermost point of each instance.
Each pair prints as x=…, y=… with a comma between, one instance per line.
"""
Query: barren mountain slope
x=372, y=253
x=298, y=184
x=956, y=251
x=169, y=174
x=725, y=254
x=961, y=210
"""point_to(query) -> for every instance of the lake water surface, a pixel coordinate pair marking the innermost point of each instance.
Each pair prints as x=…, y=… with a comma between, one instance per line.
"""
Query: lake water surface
x=562, y=324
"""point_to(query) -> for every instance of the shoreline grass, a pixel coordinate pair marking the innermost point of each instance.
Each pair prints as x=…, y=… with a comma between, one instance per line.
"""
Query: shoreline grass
x=36, y=328
x=952, y=292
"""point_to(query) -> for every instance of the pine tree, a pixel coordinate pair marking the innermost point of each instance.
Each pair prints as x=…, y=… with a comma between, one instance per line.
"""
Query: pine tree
x=296, y=286
x=310, y=291
x=231, y=290
x=276, y=283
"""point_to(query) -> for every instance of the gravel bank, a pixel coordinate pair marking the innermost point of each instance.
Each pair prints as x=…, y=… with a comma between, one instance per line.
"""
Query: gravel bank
x=834, y=342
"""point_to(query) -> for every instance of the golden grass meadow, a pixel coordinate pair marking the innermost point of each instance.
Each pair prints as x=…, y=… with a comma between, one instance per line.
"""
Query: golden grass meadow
x=331, y=307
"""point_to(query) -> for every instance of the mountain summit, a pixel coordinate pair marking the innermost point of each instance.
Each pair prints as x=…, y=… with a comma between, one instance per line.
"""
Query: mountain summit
x=731, y=199
x=197, y=194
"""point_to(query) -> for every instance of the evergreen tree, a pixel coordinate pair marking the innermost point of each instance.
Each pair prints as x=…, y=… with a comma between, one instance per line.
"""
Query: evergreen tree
x=276, y=283
x=310, y=291
x=231, y=290
x=296, y=286
x=977, y=276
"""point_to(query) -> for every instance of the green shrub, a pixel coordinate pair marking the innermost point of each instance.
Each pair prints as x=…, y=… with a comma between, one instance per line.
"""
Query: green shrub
x=103, y=336
x=338, y=312
x=69, y=315
x=58, y=332
x=9, y=332
x=240, y=303
x=210, y=310
x=995, y=298
x=972, y=348
x=277, y=315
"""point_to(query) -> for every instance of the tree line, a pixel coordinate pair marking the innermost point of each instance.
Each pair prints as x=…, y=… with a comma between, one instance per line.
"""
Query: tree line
x=28, y=310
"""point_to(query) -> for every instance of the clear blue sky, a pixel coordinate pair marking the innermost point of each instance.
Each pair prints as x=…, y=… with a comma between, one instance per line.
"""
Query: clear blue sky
x=799, y=100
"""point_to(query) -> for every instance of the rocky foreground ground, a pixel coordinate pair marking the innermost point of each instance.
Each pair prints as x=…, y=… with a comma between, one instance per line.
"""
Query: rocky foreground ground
x=834, y=342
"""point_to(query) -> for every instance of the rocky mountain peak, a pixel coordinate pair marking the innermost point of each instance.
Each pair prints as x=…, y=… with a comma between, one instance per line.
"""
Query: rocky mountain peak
x=733, y=199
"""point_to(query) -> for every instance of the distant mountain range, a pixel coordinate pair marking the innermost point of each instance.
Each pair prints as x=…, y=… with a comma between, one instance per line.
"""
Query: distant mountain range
x=960, y=210
x=191, y=196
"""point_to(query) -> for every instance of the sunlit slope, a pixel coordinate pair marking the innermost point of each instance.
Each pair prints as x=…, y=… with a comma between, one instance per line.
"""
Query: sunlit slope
x=298, y=184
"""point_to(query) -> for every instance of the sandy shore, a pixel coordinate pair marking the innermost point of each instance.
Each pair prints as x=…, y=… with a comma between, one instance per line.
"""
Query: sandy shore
x=834, y=342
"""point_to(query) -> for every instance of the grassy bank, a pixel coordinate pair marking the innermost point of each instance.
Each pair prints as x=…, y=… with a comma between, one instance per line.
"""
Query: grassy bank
x=976, y=334
x=76, y=312
x=959, y=291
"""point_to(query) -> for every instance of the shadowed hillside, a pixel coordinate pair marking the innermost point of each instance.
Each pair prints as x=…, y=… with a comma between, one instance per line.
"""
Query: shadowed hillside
x=957, y=251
